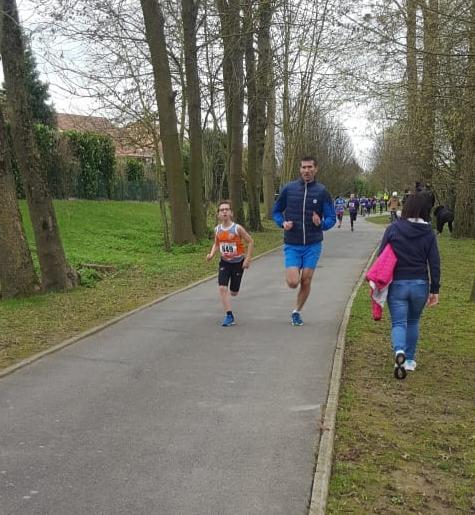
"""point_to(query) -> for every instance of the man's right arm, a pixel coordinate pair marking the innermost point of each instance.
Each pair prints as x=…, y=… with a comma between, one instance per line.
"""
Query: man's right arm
x=279, y=207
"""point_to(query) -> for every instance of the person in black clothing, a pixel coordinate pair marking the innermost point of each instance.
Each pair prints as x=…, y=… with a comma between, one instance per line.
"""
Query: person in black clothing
x=415, y=245
x=353, y=206
x=443, y=215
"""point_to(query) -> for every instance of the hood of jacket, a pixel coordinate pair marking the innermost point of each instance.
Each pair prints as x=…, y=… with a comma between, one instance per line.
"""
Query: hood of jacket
x=413, y=230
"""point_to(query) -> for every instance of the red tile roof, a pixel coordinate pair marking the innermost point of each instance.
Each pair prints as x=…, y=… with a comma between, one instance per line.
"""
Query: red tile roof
x=128, y=142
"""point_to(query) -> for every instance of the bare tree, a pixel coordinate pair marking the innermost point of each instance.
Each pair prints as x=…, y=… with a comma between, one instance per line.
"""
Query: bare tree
x=268, y=162
x=154, y=25
x=253, y=107
x=198, y=213
x=412, y=87
x=426, y=135
x=233, y=81
x=465, y=198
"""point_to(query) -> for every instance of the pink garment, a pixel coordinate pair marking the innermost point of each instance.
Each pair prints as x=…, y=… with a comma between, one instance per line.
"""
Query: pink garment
x=380, y=276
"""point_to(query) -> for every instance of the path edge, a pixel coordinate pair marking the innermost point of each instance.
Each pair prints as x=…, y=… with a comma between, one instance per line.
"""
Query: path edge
x=96, y=329
x=321, y=480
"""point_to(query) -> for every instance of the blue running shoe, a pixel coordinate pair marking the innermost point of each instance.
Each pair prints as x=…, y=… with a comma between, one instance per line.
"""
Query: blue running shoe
x=228, y=321
x=296, y=319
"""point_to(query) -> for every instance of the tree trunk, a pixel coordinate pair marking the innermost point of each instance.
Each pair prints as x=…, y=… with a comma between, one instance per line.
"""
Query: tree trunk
x=184, y=103
x=464, y=224
x=56, y=273
x=161, y=188
x=428, y=90
x=289, y=157
x=412, y=90
x=253, y=178
x=180, y=211
x=263, y=85
x=268, y=166
x=17, y=274
x=229, y=13
x=189, y=9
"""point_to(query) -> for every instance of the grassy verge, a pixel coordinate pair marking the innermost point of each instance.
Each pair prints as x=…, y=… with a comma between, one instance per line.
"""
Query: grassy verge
x=126, y=235
x=409, y=446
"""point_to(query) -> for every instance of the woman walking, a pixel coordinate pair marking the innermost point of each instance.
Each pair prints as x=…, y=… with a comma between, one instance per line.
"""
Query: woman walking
x=416, y=279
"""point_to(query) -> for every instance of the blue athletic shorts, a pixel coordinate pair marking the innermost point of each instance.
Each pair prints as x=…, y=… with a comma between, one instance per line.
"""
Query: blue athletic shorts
x=302, y=256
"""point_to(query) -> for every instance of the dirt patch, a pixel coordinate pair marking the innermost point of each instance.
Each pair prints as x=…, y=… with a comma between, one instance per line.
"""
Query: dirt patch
x=423, y=491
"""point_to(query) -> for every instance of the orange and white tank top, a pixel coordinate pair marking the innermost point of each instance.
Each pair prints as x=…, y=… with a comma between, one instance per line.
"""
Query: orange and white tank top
x=230, y=244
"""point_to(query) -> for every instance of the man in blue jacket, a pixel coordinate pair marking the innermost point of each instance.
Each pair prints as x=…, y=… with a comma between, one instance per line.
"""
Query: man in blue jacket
x=304, y=209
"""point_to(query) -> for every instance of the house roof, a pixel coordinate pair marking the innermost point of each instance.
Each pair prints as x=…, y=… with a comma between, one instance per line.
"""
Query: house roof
x=83, y=123
x=128, y=141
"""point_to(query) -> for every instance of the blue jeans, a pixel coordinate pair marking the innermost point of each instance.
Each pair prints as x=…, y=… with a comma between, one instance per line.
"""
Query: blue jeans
x=406, y=301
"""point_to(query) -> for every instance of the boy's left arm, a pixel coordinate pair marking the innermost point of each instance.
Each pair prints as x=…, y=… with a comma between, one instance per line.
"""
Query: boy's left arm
x=249, y=245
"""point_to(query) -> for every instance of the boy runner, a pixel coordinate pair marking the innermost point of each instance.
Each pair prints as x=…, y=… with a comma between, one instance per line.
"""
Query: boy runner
x=228, y=240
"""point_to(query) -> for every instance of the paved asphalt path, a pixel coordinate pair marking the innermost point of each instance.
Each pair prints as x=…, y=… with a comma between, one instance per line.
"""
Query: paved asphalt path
x=168, y=413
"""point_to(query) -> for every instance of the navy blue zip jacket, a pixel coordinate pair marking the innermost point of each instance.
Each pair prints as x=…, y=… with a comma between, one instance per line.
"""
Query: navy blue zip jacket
x=296, y=203
x=415, y=246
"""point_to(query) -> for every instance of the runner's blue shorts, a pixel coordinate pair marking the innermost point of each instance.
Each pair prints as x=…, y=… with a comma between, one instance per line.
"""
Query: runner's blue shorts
x=302, y=256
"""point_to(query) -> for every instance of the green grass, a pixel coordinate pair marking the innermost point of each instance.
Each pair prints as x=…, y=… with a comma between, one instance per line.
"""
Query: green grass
x=123, y=234
x=126, y=235
x=409, y=446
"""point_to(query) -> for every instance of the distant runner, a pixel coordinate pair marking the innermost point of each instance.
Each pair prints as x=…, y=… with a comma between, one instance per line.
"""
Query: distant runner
x=339, y=209
x=353, y=206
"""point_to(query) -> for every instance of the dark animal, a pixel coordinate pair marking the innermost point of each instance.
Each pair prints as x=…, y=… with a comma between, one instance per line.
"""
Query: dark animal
x=443, y=215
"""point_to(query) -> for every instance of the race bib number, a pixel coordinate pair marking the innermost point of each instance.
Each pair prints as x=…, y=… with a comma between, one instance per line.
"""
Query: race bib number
x=228, y=249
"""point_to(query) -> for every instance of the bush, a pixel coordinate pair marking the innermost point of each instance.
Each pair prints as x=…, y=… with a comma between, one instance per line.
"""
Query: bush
x=134, y=170
x=96, y=156
x=57, y=162
x=47, y=139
